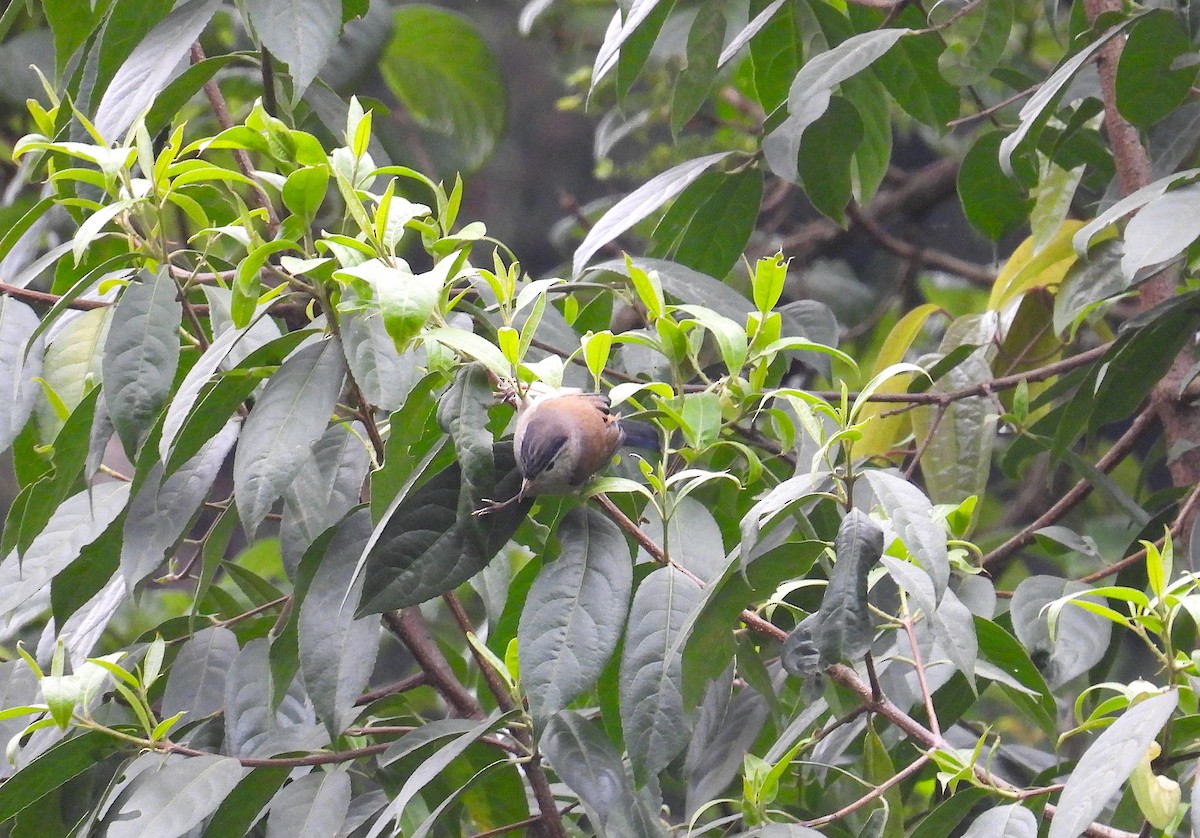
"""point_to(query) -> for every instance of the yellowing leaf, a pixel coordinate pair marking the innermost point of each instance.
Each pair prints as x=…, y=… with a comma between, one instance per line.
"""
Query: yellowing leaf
x=1026, y=270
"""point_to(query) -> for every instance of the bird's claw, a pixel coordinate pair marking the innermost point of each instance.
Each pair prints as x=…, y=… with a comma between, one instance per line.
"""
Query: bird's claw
x=490, y=506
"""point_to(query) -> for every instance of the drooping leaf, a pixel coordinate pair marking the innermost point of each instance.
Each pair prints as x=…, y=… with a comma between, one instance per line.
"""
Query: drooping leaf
x=574, y=613
x=196, y=683
x=993, y=202
x=150, y=66
x=337, y=651
x=290, y=415
x=20, y=364
x=709, y=224
x=428, y=545
x=169, y=801
x=695, y=80
x=975, y=40
x=140, y=356
x=1161, y=231
x=812, y=90
x=71, y=365
x=325, y=489
x=300, y=33
x=845, y=628
x=162, y=508
x=652, y=713
x=313, y=806
x=243, y=806
x=78, y=521
x=584, y=757
x=1108, y=762
x=49, y=771
x=639, y=204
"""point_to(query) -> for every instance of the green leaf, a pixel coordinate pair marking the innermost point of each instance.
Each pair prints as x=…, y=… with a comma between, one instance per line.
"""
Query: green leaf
x=1150, y=85
x=76, y=522
x=1089, y=283
x=623, y=26
x=911, y=515
x=1161, y=231
x=140, y=356
x=405, y=300
x=60, y=763
x=1040, y=106
x=71, y=365
x=196, y=681
x=150, y=66
x=574, y=613
x=709, y=224
x=243, y=806
x=776, y=53
x=162, y=508
x=1108, y=763
x=1010, y=821
x=910, y=73
x=328, y=485
x=958, y=456
x=20, y=364
x=1081, y=638
x=639, y=204
x=384, y=375
x=302, y=34
x=652, y=712
x=313, y=806
x=445, y=75
x=584, y=757
x=975, y=40
x=171, y=800
x=950, y=621
x=304, y=190
x=812, y=90
x=823, y=164
x=994, y=203
x=290, y=415
x=1001, y=649
x=429, y=544
x=695, y=80
x=429, y=768
x=337, y=651
x=845, y=628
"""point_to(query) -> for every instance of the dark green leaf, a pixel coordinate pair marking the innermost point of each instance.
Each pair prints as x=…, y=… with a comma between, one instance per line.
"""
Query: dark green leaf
x=640, y=203
x=290, y=415
x=243, y=806
x=430, y=544
x=574, y=613
x=61, y=763
x=1001, y=649
x=337, y=651
x=196, y=684
x=1149, y=85
x=845, y=628
x=312, y=806
x=695, y=80
x=824, y=158
x=325, y=489
x=652, y=712
x=584, y=758
x=709, y=224
x=776, y=54
x=1081, y=638
x=140, y=356
x=302, y=34
x=910, y=71
x=994, y=203
x=77, y=522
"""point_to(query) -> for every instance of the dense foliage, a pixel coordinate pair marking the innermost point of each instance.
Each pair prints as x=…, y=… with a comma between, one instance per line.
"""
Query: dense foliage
x=908, y=292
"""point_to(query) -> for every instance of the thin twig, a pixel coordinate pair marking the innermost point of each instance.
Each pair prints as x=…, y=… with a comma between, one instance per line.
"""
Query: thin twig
x=410, y=627
x=878, y=791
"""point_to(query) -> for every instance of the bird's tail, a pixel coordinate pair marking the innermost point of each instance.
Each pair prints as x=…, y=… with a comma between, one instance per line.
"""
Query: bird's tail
x=641, y=435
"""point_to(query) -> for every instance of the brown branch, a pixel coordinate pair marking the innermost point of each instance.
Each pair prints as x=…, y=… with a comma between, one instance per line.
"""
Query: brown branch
x=1182, y=520
x=978, y=274
x=910, y=630
x=873, y=700
x=1076, y=494
x=401, y=686
x=220, y=110
x=410, y=627
x=32, y=296
x=985, y=388
x=879, y=790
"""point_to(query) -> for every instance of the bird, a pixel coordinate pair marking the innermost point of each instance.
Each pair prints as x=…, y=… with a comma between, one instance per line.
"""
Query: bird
x=565, y=436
